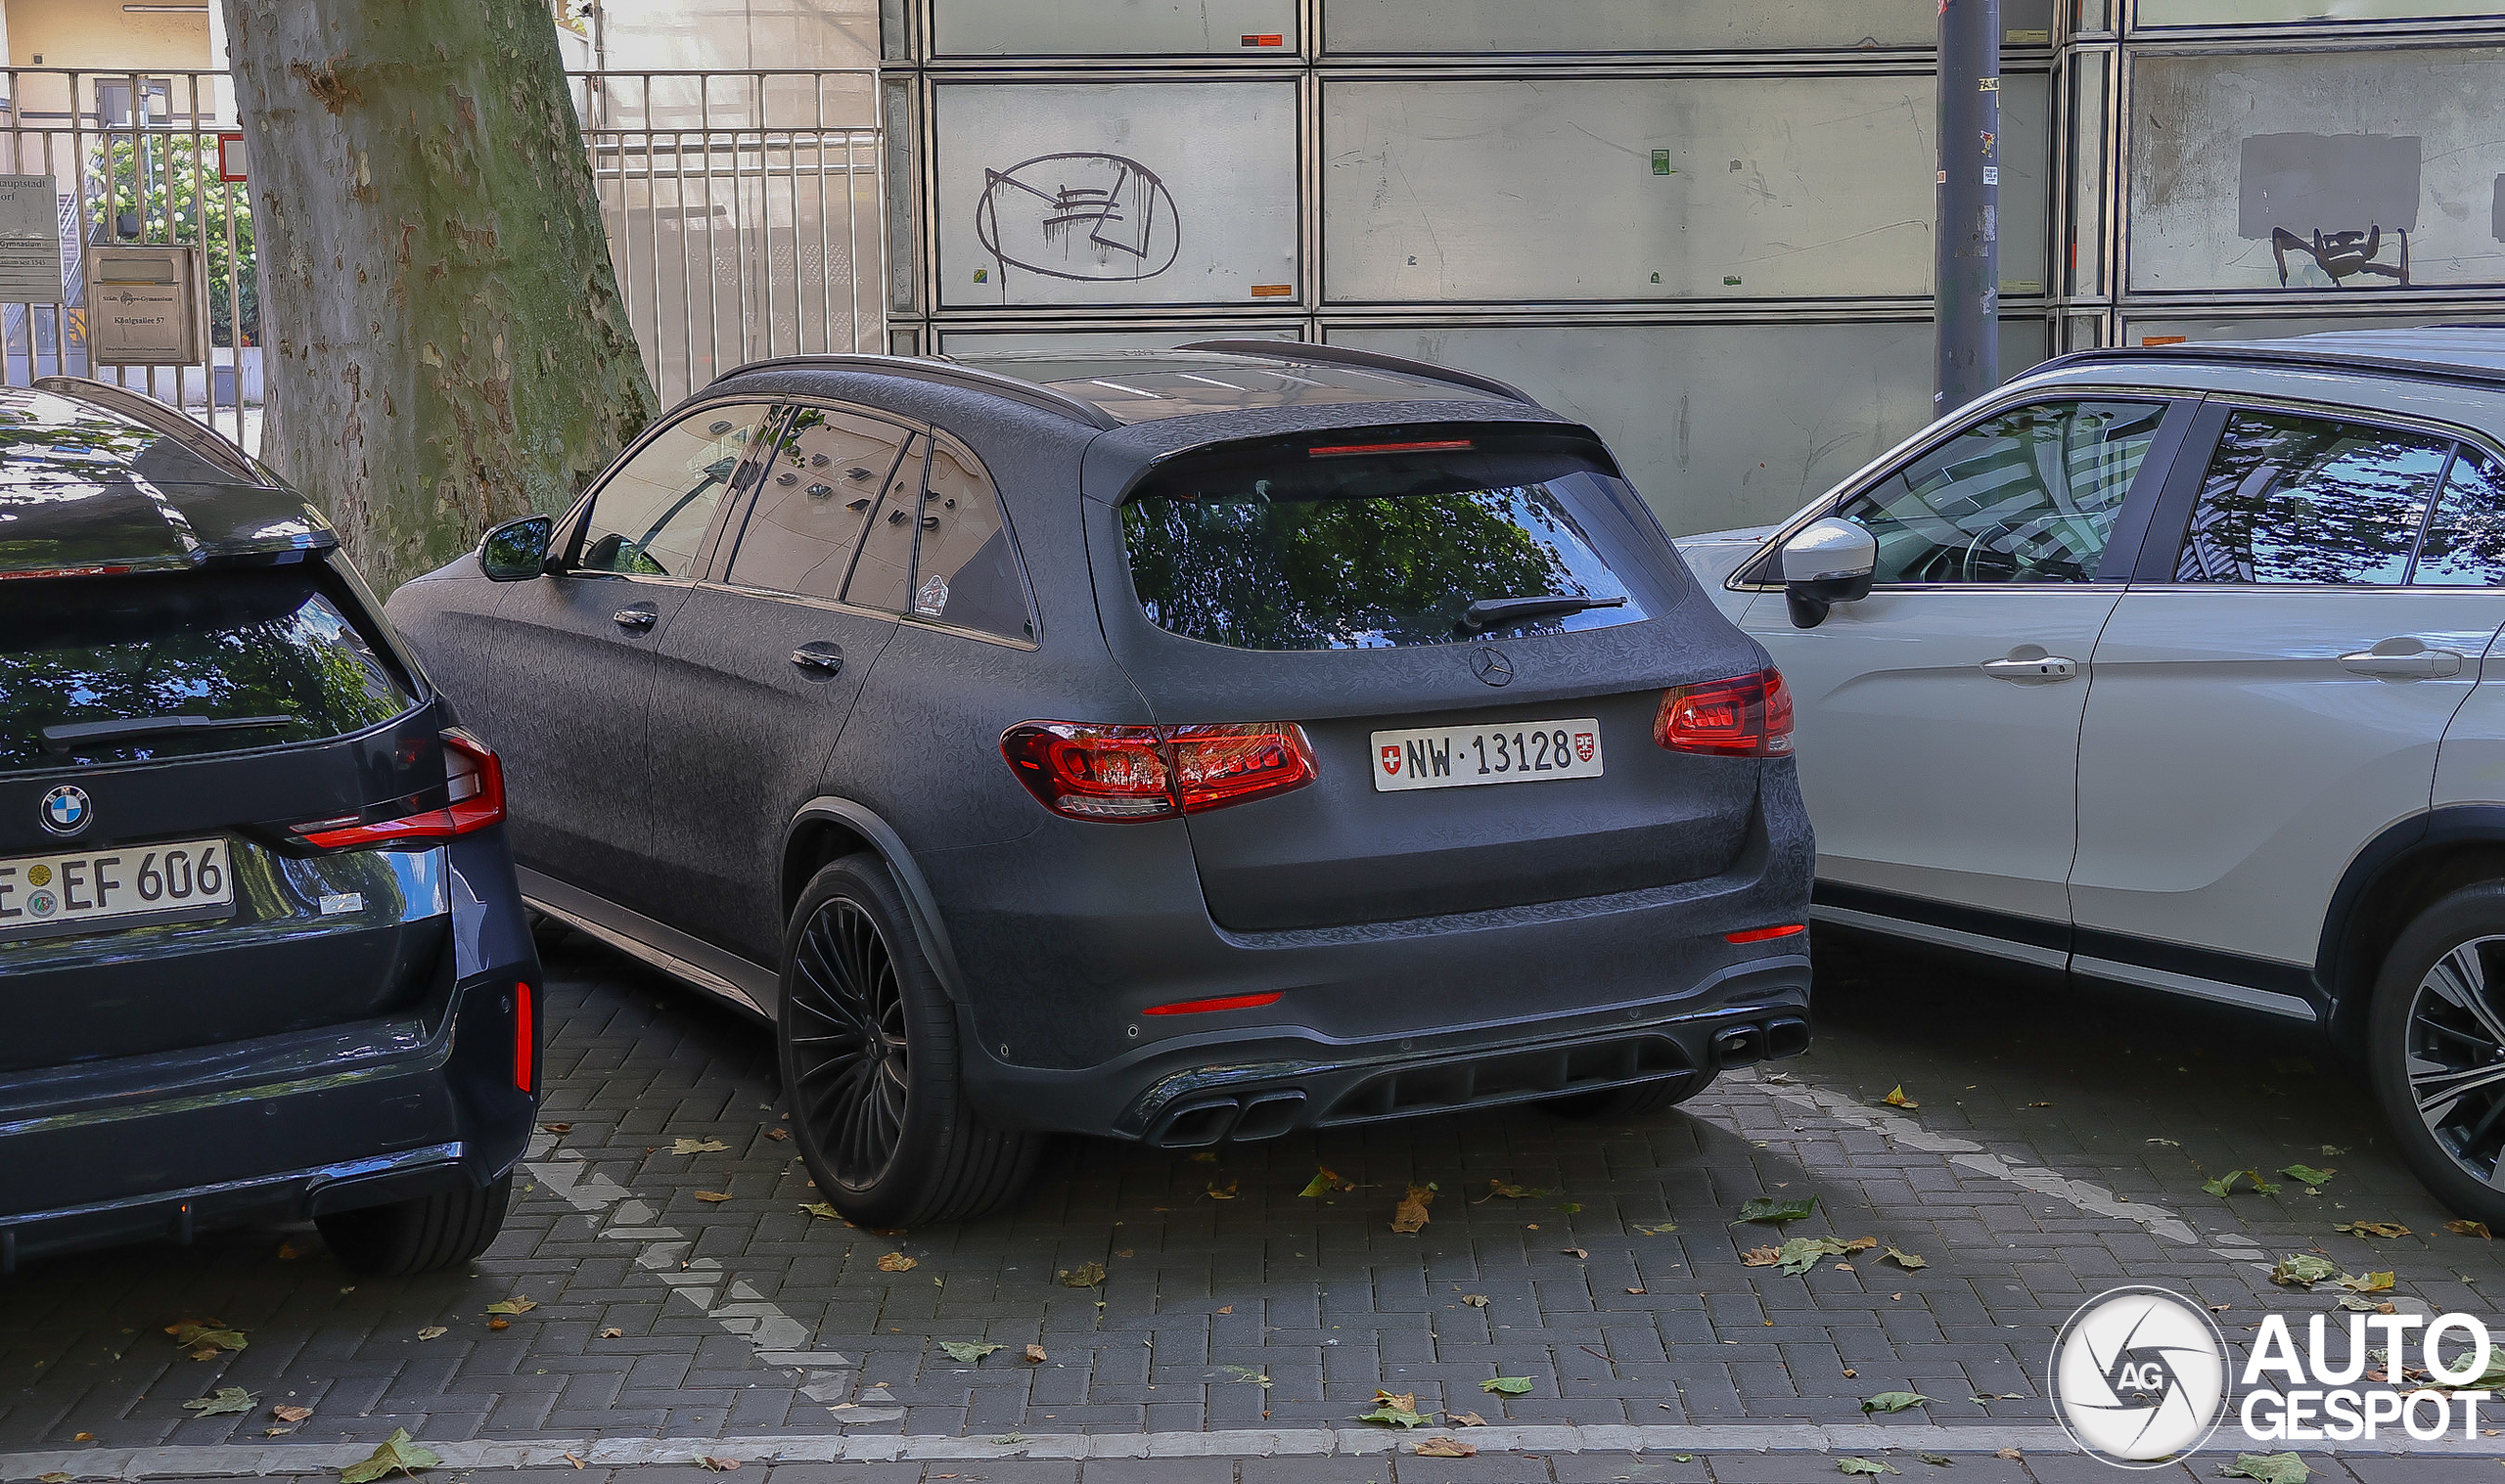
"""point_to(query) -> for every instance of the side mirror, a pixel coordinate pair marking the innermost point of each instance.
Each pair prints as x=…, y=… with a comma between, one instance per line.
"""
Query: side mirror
x=517, y=550
x=1827, y=562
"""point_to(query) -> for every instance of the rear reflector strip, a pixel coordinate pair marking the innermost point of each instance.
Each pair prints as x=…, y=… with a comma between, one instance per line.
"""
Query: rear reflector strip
x=1761, y=934
x=1204, y=1007
x=1429, y=446
x=1278, y=39
x=525, y=1038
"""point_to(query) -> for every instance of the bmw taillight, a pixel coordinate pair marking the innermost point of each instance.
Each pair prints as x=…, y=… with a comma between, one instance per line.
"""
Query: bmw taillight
x=525, y=1039
x=1125, y=774
x=474, y=793
x=1747, y=717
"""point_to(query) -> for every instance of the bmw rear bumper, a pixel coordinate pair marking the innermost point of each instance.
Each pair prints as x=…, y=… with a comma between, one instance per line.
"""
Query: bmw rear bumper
x=278, y=1129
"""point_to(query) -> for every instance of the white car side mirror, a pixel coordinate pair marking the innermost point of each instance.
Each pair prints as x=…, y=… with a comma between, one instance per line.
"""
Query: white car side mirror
x=1827, y=562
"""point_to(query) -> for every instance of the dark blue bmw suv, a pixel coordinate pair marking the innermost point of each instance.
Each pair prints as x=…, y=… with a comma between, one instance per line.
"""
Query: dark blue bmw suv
x=263, y=954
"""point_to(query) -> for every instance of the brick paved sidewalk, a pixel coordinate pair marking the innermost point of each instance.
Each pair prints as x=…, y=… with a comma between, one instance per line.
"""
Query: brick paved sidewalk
x=2057, y=1150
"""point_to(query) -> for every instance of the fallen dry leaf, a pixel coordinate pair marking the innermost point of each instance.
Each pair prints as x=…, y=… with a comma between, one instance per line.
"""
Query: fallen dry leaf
x=1475, y=1300
x=291, y=1414
x=500, y=1323
x=1394, y=1409
x=52, y=1478
x=1229, y=1309
x=778, y=1134
x=1411, y=1216
x=1035, y=1354
x=82, y=1437
x=205, y=1338
x=2009, y=1453
x=822, y=1211
x=1224, y=1191
x=1898, y=1099
x=1760, y=1257
x=700, y=1146
x=1634, y=1290
x=558, y=1128
x=1326, y=1183
x=398, y=1452
x=712, y=1197
x=287, y=1252
x=1465, y=1419
x=1084, y=1275
x=612, y=1332
x=226, y=1400
x=897, y=1262
x=2478, y=1228
x=514, y=1305
x=1445, y=1448
x=571, y=1458
x=431, y=1331
x=718, y=1465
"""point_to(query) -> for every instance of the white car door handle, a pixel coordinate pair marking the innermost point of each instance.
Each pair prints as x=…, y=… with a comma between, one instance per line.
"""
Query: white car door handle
x=2423, y=664
x=2042, y=670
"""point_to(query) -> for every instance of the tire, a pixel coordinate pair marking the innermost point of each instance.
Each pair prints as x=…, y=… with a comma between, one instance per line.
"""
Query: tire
x=2437, y=1024
x=1635, y=1101
x=868, y=1043
x=418, y=1236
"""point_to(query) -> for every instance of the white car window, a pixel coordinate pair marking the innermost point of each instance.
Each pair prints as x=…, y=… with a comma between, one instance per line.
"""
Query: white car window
x=2289, y=498
x=2465, y=542
x=2026, y=495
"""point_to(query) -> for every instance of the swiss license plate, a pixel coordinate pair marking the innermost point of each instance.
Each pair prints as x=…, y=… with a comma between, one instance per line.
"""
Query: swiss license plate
x=71, y=891
x=1462, y=757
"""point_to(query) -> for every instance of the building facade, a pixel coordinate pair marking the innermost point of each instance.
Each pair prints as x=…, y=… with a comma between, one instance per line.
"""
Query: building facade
x=1703, y=227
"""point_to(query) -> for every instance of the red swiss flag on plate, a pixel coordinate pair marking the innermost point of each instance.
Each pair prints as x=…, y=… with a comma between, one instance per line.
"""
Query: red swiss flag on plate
x=1390, y=757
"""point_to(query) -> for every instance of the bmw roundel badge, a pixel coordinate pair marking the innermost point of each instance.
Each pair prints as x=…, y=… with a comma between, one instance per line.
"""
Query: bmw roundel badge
x=65, y=810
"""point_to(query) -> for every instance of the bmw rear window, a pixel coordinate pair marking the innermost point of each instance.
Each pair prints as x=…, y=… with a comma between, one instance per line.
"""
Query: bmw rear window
x=125, y=669
x=1385, y=540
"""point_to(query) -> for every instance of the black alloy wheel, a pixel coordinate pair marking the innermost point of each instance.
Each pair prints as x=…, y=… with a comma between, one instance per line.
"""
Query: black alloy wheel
x=872, y=1072
x=855, y=1060
x=2438, y=1037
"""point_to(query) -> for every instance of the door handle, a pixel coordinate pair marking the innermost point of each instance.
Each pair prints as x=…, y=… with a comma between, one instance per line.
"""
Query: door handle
x=821, y=657
x=636, y=618
x=2035, y=669
x=2384, y=664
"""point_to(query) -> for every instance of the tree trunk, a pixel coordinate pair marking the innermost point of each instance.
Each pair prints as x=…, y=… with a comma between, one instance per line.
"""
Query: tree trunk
x=445, y=343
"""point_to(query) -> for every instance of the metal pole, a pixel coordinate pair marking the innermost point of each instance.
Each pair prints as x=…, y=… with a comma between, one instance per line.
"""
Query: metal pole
x=1966, y=281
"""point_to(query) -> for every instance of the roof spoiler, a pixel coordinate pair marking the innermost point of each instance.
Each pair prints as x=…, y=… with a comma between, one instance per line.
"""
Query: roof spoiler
x=1343, y=355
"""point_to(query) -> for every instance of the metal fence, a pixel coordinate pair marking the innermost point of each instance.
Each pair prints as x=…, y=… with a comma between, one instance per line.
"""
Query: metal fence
x=743, y=211
x=129, y=161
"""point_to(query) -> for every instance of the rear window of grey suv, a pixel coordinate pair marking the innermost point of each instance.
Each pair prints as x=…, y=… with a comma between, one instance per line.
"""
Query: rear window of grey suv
x=1363, y=541
x=125, y=670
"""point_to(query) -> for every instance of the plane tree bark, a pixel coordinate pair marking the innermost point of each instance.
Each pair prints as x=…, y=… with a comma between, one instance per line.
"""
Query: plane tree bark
x=444, y=341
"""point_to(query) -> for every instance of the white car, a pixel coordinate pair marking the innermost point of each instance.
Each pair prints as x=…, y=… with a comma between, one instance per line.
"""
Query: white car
x=2163, y=667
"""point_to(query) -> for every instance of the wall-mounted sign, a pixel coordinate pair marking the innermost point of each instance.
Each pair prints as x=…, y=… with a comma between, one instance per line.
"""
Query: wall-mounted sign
x=29, y=240
x=230, y=157
x=144, y=306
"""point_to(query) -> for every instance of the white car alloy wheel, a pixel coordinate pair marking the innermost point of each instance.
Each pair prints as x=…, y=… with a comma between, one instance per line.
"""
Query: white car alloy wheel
x=2456, y=1055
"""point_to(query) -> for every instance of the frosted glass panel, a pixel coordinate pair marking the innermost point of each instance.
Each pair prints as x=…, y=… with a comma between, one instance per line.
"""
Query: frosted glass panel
x=1658, y=189
x=2363, y=171
x=1720, y=426
x=1117, y=193
x=1647, y=25
x=1113, y=27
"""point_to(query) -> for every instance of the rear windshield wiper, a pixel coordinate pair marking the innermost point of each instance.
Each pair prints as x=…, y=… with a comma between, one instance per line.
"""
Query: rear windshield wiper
x=69, y=737
x=1497, y=613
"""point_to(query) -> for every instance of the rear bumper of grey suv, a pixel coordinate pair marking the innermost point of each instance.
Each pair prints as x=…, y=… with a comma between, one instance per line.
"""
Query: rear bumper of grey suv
x=1258, y=1083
